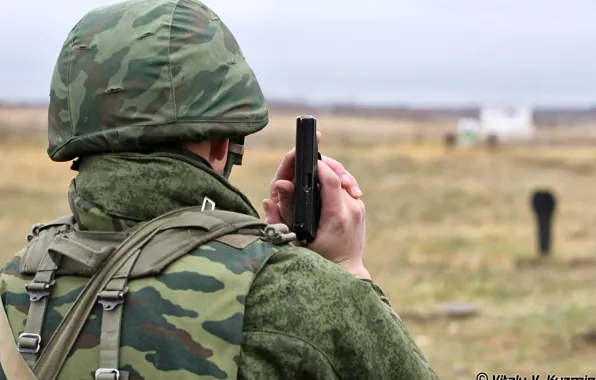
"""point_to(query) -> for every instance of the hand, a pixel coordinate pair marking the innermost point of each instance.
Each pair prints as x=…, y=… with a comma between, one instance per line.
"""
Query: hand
x=341, y=233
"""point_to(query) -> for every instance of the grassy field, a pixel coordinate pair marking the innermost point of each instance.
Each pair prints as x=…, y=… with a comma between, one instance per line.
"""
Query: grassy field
x=441, y=227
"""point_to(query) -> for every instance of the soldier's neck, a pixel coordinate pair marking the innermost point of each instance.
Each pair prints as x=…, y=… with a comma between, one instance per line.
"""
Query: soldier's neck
x=113, y=192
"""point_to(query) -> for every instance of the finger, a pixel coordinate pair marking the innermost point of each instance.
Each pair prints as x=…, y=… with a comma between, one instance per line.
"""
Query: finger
x=331, y=190
x=272, y=215
x=353, y=188
x=318, y=138
x=285, y=189
x=348, y=181
x=338, y=168
x=355, y=207
x=285, y=171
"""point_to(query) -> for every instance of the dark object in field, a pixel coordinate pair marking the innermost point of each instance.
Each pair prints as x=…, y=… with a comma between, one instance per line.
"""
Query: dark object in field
x=544, y=205
x=587, y=337
x=450, y=139
x=307, y=200
x=492, y=142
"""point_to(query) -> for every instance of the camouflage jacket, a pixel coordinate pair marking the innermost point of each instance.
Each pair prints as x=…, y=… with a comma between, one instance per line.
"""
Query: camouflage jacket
x=303, y=318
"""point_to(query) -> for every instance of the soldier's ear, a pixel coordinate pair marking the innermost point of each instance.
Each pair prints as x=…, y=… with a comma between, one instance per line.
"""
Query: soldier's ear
x=219, y=149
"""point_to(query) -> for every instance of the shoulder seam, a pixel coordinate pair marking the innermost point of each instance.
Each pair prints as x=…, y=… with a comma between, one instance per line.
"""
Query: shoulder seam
x=301, y=340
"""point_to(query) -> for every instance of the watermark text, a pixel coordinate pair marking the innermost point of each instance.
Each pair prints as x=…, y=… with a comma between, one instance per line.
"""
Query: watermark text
x=502, y=376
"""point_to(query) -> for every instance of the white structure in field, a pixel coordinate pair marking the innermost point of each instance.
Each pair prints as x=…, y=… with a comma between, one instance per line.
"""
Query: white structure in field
x=506, y=122
x=468, y=131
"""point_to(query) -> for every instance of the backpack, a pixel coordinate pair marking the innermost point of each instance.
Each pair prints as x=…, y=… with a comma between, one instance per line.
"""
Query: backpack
x=110, y=260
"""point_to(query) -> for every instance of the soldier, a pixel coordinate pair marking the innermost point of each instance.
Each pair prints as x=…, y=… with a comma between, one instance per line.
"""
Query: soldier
x=153, y=99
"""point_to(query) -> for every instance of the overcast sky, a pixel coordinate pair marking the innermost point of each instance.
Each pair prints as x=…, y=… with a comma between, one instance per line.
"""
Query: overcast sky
x=377, y=51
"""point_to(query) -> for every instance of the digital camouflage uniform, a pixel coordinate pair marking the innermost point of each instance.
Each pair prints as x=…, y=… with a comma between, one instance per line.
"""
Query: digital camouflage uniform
x=131, y=81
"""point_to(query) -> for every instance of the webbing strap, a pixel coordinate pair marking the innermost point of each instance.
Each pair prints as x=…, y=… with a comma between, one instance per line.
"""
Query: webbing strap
x=110, y=282
x=13, y=364
x=55, y=353
x=112, y=298
x=29, y=342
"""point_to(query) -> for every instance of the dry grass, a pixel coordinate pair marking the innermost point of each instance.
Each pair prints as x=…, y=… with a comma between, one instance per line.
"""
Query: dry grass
x=442, y=226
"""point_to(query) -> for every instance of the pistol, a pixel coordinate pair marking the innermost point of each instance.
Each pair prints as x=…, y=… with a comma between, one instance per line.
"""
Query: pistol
x=307, y=189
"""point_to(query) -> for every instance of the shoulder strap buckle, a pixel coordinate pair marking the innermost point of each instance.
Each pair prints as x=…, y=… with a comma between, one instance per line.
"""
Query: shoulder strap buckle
x=29, y=343
x=109, y=299
x=37, y=290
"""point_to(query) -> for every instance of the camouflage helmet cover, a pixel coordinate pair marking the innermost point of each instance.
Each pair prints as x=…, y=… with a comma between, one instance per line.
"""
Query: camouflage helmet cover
x=146, y=72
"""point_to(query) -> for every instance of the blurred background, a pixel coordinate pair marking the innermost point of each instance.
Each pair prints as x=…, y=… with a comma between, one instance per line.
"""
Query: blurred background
x=451, y=115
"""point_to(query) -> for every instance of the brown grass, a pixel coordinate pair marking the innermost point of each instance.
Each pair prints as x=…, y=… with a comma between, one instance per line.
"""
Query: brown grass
x=442, y=226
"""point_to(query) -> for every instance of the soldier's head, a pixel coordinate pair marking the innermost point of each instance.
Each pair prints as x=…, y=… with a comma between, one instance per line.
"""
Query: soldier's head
x=142, y=74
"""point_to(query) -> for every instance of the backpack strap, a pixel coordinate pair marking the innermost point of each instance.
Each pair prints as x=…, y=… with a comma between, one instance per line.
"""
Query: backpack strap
x=210, y=225
x=29, y=341
x=13, y=364
x=56, y=352
x=111, y=299
x=111, y=278
x=189, y=228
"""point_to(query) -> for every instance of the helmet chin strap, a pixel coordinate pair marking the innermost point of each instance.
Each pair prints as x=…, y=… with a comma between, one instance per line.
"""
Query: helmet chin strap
x=235, y=153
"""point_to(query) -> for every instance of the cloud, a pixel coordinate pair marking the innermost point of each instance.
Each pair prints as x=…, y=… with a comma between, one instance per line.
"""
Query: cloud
x=380, y=50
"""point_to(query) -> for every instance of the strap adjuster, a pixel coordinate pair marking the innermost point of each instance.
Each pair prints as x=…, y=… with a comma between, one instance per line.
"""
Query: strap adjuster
x=101, y=371
x=109, y=299
x=29, y=343
x=38, y=290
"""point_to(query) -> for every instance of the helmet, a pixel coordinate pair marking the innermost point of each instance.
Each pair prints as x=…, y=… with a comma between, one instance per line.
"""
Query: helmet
x=143, y=73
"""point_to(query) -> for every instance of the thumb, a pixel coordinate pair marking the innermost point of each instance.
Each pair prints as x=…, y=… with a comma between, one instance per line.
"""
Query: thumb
x=272, y=215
